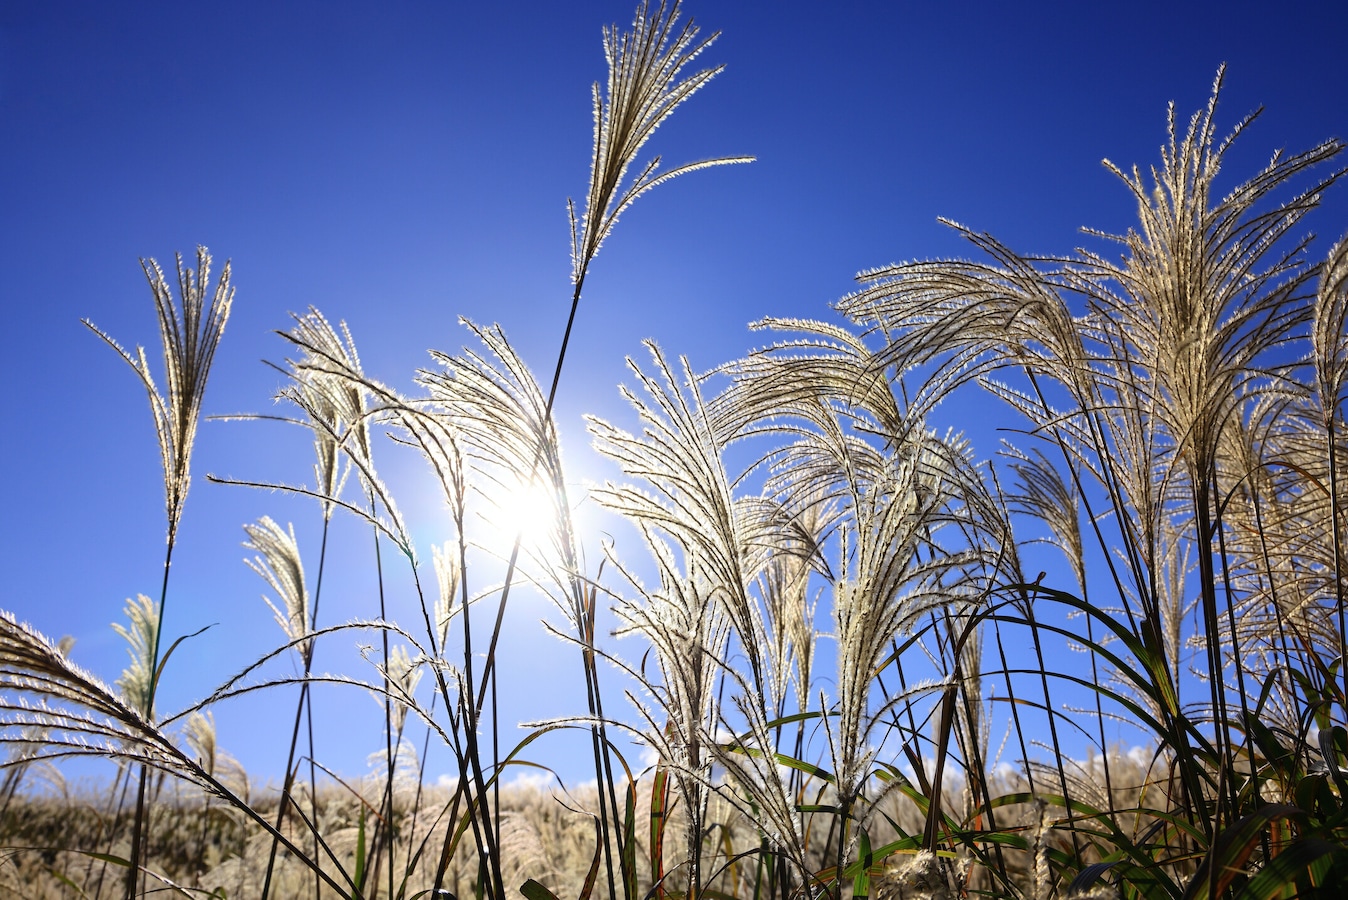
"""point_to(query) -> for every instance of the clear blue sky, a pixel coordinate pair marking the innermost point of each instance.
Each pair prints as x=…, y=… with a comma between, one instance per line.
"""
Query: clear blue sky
x=400, y=165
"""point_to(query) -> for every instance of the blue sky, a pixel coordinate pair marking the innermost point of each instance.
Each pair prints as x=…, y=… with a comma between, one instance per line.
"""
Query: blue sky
x=401, y=165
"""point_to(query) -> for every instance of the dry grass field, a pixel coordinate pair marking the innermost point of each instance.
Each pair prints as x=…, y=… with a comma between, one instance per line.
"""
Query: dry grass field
x=1176, y=404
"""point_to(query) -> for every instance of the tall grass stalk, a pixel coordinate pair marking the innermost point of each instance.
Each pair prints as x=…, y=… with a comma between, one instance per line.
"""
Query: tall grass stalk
x=642, y=90
x=333, y=414
x=189, y=329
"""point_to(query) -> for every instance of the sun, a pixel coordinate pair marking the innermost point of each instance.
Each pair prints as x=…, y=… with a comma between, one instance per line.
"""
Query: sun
x=527, y=511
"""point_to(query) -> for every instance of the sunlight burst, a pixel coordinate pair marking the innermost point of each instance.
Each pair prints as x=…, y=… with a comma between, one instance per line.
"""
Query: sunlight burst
x=527, y=511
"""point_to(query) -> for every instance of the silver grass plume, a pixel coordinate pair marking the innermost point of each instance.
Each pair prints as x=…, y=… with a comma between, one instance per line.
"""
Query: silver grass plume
x=687, y=628
x=1329, y=331
x=828, y=394
x=281, y=567
x=974, y=316
x=199, y=732
x=678, y=455
x=1206, y=294
x=803, y=637
x=792, y=531
x=1282, y=534
x=26, y=745
x=404, y=674
x=1331, y=369
x=523, y=848
x=85, y=717
x=447, y=575
x=190, y=330
x=790, y=378
x=1206, y=289
x=200, y=735
x=338, y=398
x=1044, y=495
x=335, y=407
x=80, y=714
x=759, y=786
x=141, y=636
x=496, y=407
x=643, y=90
x=922, y=876
x=894, y=504
x=1255, y=520
x=789, y=634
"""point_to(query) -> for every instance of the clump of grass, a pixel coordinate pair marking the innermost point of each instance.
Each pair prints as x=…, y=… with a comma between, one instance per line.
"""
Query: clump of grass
x=1181, y=418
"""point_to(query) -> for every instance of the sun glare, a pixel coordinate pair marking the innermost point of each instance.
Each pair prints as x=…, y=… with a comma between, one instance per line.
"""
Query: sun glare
x=526, y=511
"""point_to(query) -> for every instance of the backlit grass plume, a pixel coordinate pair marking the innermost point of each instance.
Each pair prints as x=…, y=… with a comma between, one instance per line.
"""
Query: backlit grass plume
x=82, y=716
x=40, y=688
x=1329, y=334
x=280, y=566
x=643, y=89
x=141, y=634
x=688, y=630
x=189, y=329
x=336, y=407
x=199, y=732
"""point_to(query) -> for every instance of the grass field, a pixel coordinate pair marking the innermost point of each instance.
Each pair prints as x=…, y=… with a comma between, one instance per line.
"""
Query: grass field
x=1176, y=408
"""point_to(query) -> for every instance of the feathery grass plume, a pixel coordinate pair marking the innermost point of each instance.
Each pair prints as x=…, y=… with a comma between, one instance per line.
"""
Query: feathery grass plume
x=522, y=847
x=789, y=635
x=447, y=575
x=199, y=732
x=643, y=90
x=679, y=455
x=82, y=715
x=1180, y=339
x=1257, y=516
x=86, y=717
x=433, y=433
x=761, y=787
x=280, y=566
x=141, y=635
x=404, y=674
x=335, y=413
x=1329, y=353
x=342, y=402
x=724, y=542
x=889, y=501
x=790, y=378
x=335, y=408
x=827, y=396
x=190, y=331
x=498, y=408
x=972, y=316
x=885, y=584
x=687, y=628
x=799, y=616
x=30, y=741
x=922, y=876
x=1281, y=537
x=1208, y=291
x=1329, y=331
